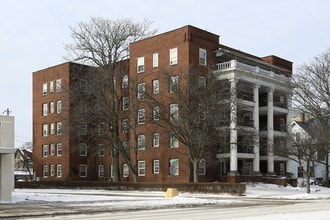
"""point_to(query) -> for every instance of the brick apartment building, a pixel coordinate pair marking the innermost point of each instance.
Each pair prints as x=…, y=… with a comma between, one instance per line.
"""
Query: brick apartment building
x=264, y=111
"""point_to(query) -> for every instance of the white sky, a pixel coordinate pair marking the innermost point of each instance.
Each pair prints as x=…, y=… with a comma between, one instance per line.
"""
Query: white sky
x=33, y=34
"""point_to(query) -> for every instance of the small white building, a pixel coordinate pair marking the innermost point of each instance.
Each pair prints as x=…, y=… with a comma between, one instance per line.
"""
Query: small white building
x=7, y=124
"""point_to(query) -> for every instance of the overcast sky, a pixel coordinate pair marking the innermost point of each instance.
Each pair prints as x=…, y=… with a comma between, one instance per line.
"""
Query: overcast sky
x=33, y=33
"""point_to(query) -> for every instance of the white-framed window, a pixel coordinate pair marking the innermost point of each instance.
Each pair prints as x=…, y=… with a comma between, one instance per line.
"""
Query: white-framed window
x=141, y=141
x=174, y=84
x=125, y=170
x=45, y=170
x=44, y=150
x=45, y=130
x=59, y=106
x=101, y=170
x=141, y=90
x=202, y=167
x=52, y=128
x=125, y=145
x=52, y=149
x=83, y=85
x=174, y=142
x=83, y=128
x=101, y=129
x=202, y=111
x=58, y=85
x=44, y=89
x=59, y=170
x=59, y=128
x=202, y=57
x=174, y=167
x=140, y=64
x=83, y=170
x=141, y=116
x=174, y=112
x=52, y=107
x=44, y=109
x=51, y=86
x=125, y=125
x=156, y=166
x=141, y=168
x=155, y=60
x=201, y=84
x=124, y=82
x=174, y=56
x=101, y=150
x=155, y=86
x=155, y=139
x=59, y=149
x=155, y=113
x=82, y=109
x=82, y=149
x=52, y=170
x=125, y=103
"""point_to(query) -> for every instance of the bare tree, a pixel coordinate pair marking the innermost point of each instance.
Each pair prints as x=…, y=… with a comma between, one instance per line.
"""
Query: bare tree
x=104, y=44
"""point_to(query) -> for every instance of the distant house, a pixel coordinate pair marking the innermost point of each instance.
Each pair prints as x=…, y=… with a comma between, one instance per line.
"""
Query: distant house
x=23, y=165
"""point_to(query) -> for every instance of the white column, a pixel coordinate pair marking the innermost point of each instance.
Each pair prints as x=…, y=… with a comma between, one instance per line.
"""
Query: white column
x=256, y=161
x=288, y=125
x=233, y=127
x=270, y=132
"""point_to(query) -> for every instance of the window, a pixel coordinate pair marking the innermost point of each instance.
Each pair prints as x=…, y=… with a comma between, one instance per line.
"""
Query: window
x=45, y=130
x=83, y=128
x=173, y=56
x=174, y=142
x=201, y=84
x=59, y=149
x=44, y=89
x=156, y=166
x=58, y=85
x=125, y=125
x=155, y=60
x=101, y=150
x=52, y=107
x=141, y=168
x=101, y=170
x=83, y=85
x=44, y=109
x=52, y=149
x=125, y=103
x=140, y=64
x=125, y=145
x=125, y=170
x=141, y=90
x=83, y=170
x=202, y=167
x=201, y=111
x=44, y=150
x=83, y=149
x=59, y=171
x=100, y=129
x=52, y=128
x=202, y=56
x=44, y=170
x=124, y=82
x=174, y=167
x=59, y=106
x=52, y=170
x=59, y=128
x=51, y=86
x=174, y=112
x=141, y=116
x=155, y=86
x=155, y=138
x=155, y=113
x=174, y=84
x=141, y=142
x=82, y=109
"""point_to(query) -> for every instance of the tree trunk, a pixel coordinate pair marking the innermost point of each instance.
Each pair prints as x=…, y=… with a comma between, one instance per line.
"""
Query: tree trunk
x=195, y=170
x=308, y=177
x=326, y=178
x=115, y=165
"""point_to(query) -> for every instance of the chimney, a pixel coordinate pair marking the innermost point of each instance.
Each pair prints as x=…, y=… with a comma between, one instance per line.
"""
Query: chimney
x=302, y=117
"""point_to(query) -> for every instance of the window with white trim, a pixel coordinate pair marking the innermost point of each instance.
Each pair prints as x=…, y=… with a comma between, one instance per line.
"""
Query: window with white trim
x=101, y=129
x=174, y=84
x=101, y=150
x=125, y=170
x=51, y=86
x=202, y=167
x=83, y=128
x=101, y=171
x=174, y=142
x=155, y=113
x=156, y=166
x=59, y=106
x=202, y=57
x=58, y=85
x=52, y=149
x=125, y=125
x=141, y=168
x=174, y=112
x=45, y=130
x=155, y=138
x=83, y=170
x=141, y=90
x=44, y=150
x=82, y=149
x=155, y=86
x=52, y=107
x=201, y=84
x=174, y=167
x=59, y=128
x=44, y=109
x=59, y=170
x=59, y=149
x=141, y=141
x=155, y=60
x=124, y=82
x=45, y=170
x=52, y=170
x=44, y=89
x=52, y=128
x=140, y=64
x=174, y=56
x=125, y=103
x=141, y=116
